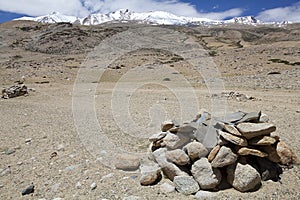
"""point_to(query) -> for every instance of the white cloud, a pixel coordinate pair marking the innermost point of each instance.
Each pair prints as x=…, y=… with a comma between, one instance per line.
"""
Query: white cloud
x=82, y=8
x=290, y=13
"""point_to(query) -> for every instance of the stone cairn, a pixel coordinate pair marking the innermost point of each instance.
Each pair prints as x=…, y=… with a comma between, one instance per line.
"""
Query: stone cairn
x=239, y=150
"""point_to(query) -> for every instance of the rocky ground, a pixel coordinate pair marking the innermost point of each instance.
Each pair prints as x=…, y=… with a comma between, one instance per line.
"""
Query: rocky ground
x=40, y=141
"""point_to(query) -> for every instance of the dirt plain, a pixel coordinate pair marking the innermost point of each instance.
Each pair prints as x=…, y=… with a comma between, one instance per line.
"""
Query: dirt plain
x=259, y=61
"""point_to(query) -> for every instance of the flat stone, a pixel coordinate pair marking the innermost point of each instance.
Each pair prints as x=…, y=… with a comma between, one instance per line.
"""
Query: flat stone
x=188, y=128
x=150, y=174
x=158, y=136
x=207, y=135
x=195, y=150
x=178, y=157
x=186, y=185
x=244, y=151
x=286, y=155
x=233, y=117
x=251, y=130
x=233, y=139
x=166, y=125
x=243, y=177
x=262, y=140
x=213, y=153
x=167, y=188
x=127, y=162
x=205, y=175
x=224, y=157
x=231, y=129
x=251, y=117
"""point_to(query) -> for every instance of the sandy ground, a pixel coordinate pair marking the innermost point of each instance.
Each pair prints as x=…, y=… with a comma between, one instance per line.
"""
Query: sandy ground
x=42, y=123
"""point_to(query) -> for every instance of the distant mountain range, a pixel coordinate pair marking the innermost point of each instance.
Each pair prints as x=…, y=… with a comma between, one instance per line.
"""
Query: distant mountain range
x=153, y=17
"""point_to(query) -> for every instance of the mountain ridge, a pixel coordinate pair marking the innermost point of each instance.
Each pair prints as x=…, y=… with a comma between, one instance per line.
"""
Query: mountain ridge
x=152, y=17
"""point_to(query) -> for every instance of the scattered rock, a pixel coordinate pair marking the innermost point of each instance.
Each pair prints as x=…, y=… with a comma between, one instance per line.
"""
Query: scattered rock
x=167, y=188
x=10, y=151
x=251, y=130
x=205, y=175
x=224, y=157
x=262, y=140
x=28, y=190
x=127, y=162
x=14, y=91
x=186, y=185
x=244, y=151
x=243, y=177
x=150, y=175
x=195, y=150
x=165, y=126
x=233, y=139
x=93, y=186
x=178, y=157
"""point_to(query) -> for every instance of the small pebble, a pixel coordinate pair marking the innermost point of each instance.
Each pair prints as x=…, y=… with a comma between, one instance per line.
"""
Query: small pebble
x=28, y=190
x=93, y=186
x=28, y=140
x=78, y=185
x=10, y=151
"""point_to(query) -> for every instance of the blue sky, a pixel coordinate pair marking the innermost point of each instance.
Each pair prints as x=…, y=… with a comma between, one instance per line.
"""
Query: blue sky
x=276, y=10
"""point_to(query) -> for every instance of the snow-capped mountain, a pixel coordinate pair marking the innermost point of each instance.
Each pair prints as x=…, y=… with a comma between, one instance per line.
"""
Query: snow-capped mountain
x=125, y=15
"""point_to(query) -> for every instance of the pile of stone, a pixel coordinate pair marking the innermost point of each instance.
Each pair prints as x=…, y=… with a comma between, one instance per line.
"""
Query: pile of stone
x=234, y=96
x=239, y=150
x=15, y=91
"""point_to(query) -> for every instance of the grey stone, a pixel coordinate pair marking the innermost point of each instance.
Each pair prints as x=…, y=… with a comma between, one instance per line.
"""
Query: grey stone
x=157, y=136
x=207, y=135
x=149, y=174
x=195, y=150
x=233, y=139
x=224, y=157
x=28, y=190
x=10, y=151
x=186, y=184
x=173, y=141
x=251, y=130
x=205, y=175
x=243, y=177
x=263, y=118
x=127, y=162
x=232, y=117
x=251, y=117
x=167, y=188
x=178, y=157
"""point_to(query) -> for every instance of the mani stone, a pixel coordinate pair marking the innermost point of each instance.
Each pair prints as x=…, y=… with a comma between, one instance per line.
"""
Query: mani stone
x=195, y=150
x=233, y=139
x=213, y=153
x=205, y=175
x=243, y=177
x=251, y=130
x=262, y=140
x=244, y=151
x=186, y=185
x=165, y=126
x=224, y=157
x=178, y=157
